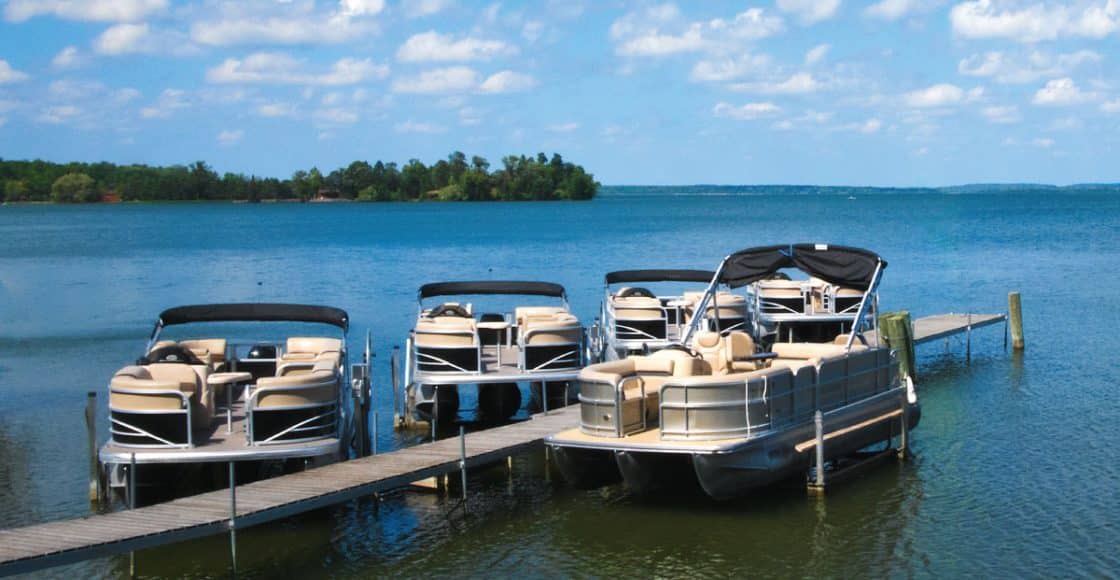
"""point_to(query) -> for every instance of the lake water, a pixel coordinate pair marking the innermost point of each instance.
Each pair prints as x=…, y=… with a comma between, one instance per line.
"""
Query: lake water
x=1017, y=458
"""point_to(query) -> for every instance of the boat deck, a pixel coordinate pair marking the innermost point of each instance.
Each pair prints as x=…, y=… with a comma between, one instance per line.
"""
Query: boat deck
x=931, y=328
x=648, y=440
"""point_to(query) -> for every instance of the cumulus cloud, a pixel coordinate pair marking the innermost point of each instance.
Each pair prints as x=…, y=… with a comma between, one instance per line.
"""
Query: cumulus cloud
x=799, y=83
x=1039, y=21
x=421, y=8
x=1009, y=69
x=59, y=114
x=817, y=53
x=1062, y=92
x=85, y=10
x=659, y=31
x=892, y=10
x=432, y=46
x=9, y=75
x=282, y=69
x=870, y=126
x=746, y=111
x=1042, y=142
x=411, y=126
x=1112, y=106
x=122, y=39
x=276, y=109
x=810, y=11
x=438, y=81
x=68, y=57
x=169, y=101
x=727, y=69
x=1001, y=114
x=257, y=23
x=940, y=95
x=507, y=81
x=230, y=137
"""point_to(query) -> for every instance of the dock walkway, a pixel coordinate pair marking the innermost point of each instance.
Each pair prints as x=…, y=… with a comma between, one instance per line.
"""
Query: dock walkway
x=931, y=328
x=63, y=542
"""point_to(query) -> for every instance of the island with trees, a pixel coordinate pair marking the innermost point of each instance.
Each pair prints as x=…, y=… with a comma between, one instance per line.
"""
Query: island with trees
x=519, y=178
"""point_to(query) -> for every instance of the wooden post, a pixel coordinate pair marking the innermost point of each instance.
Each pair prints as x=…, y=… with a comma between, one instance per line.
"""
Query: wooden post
x=898, y=334
x=91, y=433
x=395, y=365
x=233, y=518
x=1015, y=313
x=463, y=460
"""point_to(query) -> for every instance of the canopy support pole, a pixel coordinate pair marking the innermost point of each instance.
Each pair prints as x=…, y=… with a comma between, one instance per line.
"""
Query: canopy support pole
x=858, y=324
x=702, y=307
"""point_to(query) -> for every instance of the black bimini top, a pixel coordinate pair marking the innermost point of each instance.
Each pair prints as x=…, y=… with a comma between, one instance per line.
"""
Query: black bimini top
x=842, y=265
x=491, y=287
x=255, y=312
x=623, y=276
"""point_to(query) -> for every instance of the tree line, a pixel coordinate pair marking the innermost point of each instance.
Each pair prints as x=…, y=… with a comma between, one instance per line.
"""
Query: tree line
x=452, y=179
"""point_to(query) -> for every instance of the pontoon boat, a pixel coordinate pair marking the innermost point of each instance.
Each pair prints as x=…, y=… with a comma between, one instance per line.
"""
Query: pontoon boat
x=221, y=392
x=721, y=413
x=453, y=345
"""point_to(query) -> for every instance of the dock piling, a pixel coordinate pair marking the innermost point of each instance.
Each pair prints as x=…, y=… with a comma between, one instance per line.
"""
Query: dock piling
x=1015, y=314
x=132, y=481
x=91, y=433
x=968, y=340
x=233, y=518
x=898, y=333
x=904, y=434
x=463, y=460
x=818, y=425
x=374, y=434
x=395, y=370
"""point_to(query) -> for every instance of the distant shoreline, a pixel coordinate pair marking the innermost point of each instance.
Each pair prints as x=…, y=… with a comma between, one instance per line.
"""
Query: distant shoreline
x=856, y=190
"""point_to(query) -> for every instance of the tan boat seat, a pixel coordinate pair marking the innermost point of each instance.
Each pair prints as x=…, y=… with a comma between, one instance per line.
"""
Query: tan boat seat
x=558, y=328
x=445, y=331
x=211, y=351
x=320, y=385
x=522, y=312
x=183, y=378
x=711, y=346
x=307, y=348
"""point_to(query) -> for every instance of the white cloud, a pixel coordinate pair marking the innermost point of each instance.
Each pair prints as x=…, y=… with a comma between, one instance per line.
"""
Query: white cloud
x=60, y=114
x=798, y=84
x=1111, y=106
x=1042, y=20
x=810, y=11
x=334, y=117
x=745, y=112
x=68, y=57
x=657, y=31
x=1042, y=142
x=896, y=9
x=411, y=126
x=87, y=10
x=940, y=95
x=282, y=69
x=230, y=137
x=276, y=109
x=532, y=30
x=438, y=81
x=169, y=101
x=432, y=46
x=10, y=75
x=564, y=127
x=287, y=22
x=1066, y=124
x=817, y=53
x=870, y=126
x=1062, y=92
x=122, y=39
x=726, y=69
x=1001, y=114
x=507, y=81
x=1008, y=68
x=421, y=8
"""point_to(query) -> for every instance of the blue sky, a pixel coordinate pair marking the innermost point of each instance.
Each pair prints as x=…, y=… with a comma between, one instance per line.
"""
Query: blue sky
x=893, y=92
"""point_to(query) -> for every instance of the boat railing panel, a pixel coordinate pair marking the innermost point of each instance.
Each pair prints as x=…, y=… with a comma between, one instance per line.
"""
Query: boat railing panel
x=151, y=406
x=617, y=398
x=295, y=407
x=551, y=343
x=447, y=345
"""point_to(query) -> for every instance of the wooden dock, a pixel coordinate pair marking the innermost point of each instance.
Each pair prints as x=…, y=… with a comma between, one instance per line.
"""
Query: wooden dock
x=931, y=328
x=56, y=543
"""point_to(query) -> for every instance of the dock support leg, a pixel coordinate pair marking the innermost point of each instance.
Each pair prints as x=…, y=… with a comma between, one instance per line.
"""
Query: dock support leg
x=968, y=340
x=904, y=434
x=233, y=518
x=374, y=437
x=818, y=425
x=132, y=506
x=463, y=461
x=91, y=433
x=395, y=370
x=1015, y=313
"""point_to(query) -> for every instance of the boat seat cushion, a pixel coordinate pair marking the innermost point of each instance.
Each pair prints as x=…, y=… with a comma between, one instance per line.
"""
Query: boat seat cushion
x=316, y=387
x=559, y=328
x=211, y=351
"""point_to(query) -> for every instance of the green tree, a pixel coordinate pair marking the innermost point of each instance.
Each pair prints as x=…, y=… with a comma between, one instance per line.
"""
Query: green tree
x=74, y=188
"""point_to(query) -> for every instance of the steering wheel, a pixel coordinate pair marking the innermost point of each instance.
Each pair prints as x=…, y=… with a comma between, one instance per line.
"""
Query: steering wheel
x=636, y=291
x=683, y=349
x=172, y=353
x=449, y=310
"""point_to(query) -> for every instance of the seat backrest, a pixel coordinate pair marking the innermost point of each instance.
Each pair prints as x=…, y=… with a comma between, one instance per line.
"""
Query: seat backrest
x=740, y=345
x=684, y=364
x=559, y=328
x=711, y=346
x=212, y=351
x=312, y=345
x=446, y=331
x=185, y=375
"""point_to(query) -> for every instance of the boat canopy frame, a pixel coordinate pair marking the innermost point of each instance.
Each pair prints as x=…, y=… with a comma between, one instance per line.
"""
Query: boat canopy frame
x=492, y=288
x=842, y=265
x=659, y=275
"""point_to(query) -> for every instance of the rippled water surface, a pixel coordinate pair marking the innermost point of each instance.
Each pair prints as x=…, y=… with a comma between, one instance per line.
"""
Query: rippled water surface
x=1017, y=458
